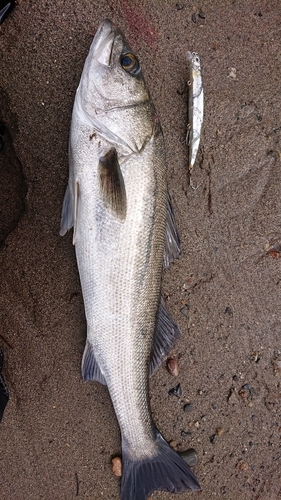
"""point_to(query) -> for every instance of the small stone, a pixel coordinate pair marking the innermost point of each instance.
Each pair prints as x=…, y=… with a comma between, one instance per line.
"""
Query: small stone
x=193, y=18
x=196, y=424
x=243, y=466
x=117, y=466
x=173, y=367
x=202, y=14
x=232, y=73
x=219, y=431
x=228, y=311
x=184, y=310
x=256, y=356
x=175, y=391
x=188, y=407
x=243, y=394
x=232, y=396
x=213, y=438
x=190, y=457
x=186, y=433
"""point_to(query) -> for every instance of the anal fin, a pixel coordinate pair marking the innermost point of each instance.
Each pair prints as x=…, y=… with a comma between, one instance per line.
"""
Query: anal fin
x=90, y=368
x=166, y=334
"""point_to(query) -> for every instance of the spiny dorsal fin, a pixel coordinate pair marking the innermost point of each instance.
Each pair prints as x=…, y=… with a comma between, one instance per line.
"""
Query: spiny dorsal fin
x=112, y=184
x=166, y=334
x=172, y=245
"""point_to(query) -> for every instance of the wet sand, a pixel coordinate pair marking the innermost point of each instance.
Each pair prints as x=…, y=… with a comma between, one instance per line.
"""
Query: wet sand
x=58, y=432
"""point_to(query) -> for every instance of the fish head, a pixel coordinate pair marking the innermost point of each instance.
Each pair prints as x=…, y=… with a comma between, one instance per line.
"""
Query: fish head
x=194, y=60
x=112, y=95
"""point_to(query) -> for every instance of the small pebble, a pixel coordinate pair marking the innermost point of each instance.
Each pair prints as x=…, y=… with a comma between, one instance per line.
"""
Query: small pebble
x=188, y=407
x=243, y=466
x=173, y=367
x=184, y=310
x=232, y=73
x=190, y=457
x=202, y=14
x=117, y=466
x=213, y=438
x=193, y=18
x=232, y=397
x=175, y=391
x=219, y=431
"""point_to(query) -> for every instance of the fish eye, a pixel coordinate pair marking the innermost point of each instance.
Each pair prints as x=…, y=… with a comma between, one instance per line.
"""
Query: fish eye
x=130, y=63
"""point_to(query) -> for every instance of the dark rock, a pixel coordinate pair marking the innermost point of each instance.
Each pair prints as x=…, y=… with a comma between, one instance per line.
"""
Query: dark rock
x=175, y=391
x=190, y=456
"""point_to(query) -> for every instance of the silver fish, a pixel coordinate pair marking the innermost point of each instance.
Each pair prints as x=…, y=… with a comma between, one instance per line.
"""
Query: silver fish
x=195, y=107
x=117, y=203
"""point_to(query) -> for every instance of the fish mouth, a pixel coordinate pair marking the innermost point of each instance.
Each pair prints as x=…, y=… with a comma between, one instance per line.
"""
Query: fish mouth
x=103, y=42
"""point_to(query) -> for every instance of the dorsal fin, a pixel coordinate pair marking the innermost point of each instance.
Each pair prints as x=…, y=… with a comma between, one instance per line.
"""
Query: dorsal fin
x=172, y=245
x=112, y=184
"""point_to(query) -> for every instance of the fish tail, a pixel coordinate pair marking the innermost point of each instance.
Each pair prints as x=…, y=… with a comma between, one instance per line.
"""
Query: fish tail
x=164, y=471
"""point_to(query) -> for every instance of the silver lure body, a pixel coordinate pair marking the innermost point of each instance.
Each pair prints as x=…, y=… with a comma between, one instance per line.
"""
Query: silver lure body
x=119, y=236
x=195, y=107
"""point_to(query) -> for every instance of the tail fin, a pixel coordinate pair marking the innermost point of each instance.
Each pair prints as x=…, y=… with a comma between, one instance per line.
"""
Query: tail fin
x=165, y=471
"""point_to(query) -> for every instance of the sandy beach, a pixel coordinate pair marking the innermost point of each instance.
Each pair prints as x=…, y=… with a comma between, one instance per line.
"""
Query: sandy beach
x=58, y=433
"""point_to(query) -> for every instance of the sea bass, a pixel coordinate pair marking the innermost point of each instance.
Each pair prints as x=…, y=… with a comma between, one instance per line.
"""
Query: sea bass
x=117, y=202
x=195, y=107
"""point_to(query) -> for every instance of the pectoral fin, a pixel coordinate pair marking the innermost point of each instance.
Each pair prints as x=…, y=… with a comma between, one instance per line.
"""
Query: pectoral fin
x=166, y=334
x=172, y=245
x=112, y=184
x=69, y=210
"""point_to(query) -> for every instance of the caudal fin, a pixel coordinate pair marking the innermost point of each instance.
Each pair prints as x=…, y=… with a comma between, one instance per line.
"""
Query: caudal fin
x=165, y=471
